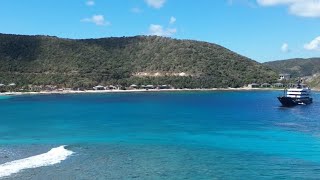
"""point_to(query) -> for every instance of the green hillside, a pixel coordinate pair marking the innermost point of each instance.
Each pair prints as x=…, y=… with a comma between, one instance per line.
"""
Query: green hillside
x=296, y=67
x=44, y=60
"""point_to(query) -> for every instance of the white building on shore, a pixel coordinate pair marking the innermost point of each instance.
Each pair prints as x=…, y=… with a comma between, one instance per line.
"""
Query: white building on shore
x=284, y=77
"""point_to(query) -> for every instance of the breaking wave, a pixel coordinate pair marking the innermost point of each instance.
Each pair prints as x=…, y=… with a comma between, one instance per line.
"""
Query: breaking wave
x=54, y=156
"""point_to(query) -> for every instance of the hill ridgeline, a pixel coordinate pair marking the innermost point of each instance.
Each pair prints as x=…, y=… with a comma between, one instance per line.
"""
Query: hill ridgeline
x=45, y=60
x=296, y=67
x=308, y=69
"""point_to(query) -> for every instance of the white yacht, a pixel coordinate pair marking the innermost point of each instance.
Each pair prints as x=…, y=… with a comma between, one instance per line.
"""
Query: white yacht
x=299, y=95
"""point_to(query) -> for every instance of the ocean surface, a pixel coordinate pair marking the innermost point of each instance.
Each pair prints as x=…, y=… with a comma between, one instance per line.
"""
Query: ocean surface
x=183, y=135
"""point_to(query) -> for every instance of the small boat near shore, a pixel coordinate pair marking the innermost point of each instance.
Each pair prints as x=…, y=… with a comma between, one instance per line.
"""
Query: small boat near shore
x=298, y=95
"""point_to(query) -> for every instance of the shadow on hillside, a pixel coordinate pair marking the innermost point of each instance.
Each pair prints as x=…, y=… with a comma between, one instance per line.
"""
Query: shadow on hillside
x=19, y=48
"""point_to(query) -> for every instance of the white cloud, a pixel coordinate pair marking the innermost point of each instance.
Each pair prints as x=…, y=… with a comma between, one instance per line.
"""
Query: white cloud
x=285, y=47
x=97, y=19
x=158, y=30
x=90, y=3
x=277, y=2
x=136, y=10
x=304, y=8
x=155, y=3
x=172, y=20
x=314, y=45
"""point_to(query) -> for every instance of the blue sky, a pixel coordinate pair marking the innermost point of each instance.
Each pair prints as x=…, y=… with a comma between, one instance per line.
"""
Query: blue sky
x=259, y=29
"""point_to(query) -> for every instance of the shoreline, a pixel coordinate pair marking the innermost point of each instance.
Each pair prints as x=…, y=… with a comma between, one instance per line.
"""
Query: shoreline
x=135, y=91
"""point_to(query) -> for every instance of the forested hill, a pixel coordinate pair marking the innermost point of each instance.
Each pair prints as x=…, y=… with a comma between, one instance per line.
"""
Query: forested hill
x=296, y=67
x=45, y=60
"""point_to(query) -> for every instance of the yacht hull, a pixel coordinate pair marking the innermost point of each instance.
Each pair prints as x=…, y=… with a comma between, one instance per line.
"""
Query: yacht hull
x=289, y=101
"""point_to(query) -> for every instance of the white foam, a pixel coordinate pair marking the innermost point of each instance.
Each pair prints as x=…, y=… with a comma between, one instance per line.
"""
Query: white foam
x=54, y=156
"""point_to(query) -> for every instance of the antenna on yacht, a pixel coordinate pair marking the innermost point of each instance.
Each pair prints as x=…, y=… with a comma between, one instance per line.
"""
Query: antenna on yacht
x=285, y=91
x=299, y=83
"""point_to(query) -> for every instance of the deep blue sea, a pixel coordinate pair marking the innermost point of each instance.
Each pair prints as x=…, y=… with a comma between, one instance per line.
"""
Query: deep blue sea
x=176, y=135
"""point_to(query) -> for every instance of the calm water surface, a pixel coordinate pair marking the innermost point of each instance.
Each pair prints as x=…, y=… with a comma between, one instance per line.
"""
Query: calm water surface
x=191, y=135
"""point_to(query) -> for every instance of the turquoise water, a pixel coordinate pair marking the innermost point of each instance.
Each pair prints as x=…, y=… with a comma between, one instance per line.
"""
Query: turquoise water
x=191, y=135
x=4, y=97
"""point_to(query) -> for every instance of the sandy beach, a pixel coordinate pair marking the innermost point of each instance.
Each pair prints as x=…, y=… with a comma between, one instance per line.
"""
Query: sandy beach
x=135, y=90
